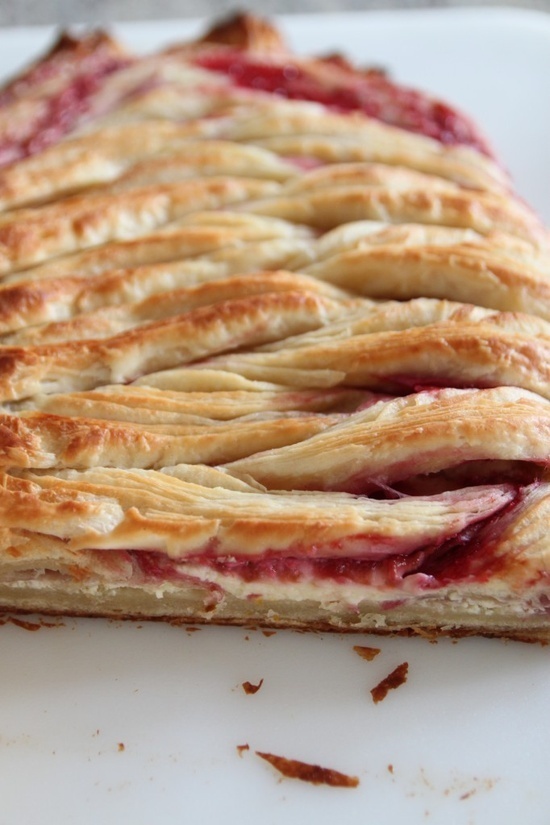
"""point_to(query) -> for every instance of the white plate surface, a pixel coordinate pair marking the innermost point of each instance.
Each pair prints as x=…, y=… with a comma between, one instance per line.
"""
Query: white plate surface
x=104, y=722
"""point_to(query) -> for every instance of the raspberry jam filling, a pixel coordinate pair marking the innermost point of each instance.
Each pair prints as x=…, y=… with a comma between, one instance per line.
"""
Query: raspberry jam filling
x=468, y=555
x=69, y=56
x=60, y=114
x=369, y=92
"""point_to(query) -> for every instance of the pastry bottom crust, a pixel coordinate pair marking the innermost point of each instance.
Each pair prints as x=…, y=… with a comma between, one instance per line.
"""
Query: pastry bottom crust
x=430, y=616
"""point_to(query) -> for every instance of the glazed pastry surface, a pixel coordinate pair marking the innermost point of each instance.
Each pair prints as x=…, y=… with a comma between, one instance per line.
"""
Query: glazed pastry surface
x=268, y=353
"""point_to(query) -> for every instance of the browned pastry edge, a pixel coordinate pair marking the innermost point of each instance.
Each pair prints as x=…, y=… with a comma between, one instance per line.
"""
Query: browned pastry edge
x=429, y=632
x=65, y=52
x=247, y=32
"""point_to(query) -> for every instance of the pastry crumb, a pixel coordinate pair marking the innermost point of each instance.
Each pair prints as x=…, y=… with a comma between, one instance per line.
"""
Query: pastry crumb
x=250, y=688
x=392, y=681
x=368, y=653
x=25, y=624
x=294, y=769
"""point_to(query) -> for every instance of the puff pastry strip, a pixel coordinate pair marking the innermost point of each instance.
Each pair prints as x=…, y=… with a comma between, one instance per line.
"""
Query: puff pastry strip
x=329, y=206
x=303, y=131
x=130, y=508
x=43, y=441
x=194, y=235
x=234, y=41
x=376, y=446
x=497, y=246
x=470, y=270
x=73, y=365
x=420, y=434
x=398, y=347
x=109, y=321
x=186, y=577
x=28, y=237
x=181, y=396
x=31, y=103
x=380, y=261
x=132, y=156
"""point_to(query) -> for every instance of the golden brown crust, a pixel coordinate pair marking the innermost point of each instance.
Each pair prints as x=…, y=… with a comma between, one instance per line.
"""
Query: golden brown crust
x=430, y=432
x=422, y=343
x=469, y=272
x=46, y=441
x=108, y=321
x=264, y=616
x=129, y=156
x=181, y=339
x=113, y=508
x=303, y=131
x=30, y=103
x=67, y=51
x=182, y=396
x=200, y=235
x=28, y=237
x=327, y=206
x=246, y=32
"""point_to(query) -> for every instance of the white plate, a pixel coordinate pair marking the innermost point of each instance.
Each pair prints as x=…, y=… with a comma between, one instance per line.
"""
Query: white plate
x=113, y=723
